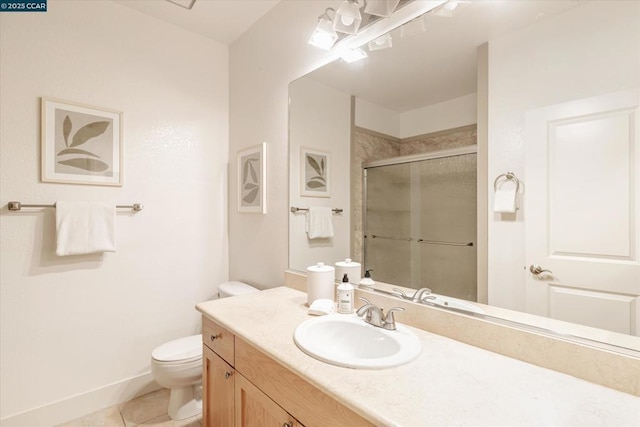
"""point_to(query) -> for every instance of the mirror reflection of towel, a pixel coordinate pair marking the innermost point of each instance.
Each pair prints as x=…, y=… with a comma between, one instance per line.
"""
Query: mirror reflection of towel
x=319, y=222
x=505, y=201
x=85, y=228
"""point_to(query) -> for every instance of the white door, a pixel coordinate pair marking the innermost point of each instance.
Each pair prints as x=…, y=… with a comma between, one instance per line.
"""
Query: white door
x=582, y=212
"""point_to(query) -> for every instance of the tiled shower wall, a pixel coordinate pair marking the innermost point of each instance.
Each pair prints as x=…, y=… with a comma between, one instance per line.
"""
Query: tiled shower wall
x=437, y=141
x=369, y=146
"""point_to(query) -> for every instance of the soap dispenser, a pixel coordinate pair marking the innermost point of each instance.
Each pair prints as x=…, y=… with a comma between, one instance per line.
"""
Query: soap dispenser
x=367, y=281
x=345, y=296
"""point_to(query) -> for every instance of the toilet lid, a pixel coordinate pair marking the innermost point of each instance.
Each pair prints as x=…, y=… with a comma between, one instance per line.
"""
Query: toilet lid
x=180, y=350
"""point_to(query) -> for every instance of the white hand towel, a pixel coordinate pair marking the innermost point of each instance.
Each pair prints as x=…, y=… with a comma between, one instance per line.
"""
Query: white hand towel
x=505, y=200
x=85, y=228
x=319, y=222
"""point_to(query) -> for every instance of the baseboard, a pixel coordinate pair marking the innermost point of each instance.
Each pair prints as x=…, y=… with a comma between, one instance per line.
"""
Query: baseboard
x=82, y=404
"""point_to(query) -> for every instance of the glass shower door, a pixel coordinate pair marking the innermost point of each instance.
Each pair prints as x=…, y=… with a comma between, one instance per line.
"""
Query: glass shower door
x=420, y=224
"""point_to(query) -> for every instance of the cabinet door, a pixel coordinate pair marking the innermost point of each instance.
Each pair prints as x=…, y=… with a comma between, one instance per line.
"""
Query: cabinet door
x=217, y=390
x=255, y=409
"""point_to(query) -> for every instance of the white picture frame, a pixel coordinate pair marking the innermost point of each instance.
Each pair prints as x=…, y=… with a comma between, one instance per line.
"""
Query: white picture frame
x=81, y=144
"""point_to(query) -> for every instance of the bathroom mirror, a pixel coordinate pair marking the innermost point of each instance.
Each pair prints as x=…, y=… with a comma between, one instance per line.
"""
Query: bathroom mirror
x=541, y=59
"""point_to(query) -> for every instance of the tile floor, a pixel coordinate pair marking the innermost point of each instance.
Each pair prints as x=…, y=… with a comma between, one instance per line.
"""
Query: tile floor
x=149, y=410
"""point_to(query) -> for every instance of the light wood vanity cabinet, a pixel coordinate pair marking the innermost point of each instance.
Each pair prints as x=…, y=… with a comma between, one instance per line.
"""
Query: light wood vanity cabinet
x=229, y=399
x=218, y=390
x=255, y=409
x=243, y=387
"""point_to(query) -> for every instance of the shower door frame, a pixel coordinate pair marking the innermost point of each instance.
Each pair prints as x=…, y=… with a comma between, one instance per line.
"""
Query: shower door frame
x=391, y=161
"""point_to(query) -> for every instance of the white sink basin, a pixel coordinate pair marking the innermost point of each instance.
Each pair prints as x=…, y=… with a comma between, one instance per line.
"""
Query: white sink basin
x=346, y=340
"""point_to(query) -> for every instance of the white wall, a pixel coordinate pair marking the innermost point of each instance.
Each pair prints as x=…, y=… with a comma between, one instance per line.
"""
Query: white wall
x=449, y=114
x=445, y=115
x=590, y=50
x=263, y=62
x=380, y=119
x=77, y=332
x=320, y=118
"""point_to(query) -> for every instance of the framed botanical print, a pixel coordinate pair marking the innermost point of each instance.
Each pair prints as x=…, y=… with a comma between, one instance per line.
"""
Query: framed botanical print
x=314, y=173
x=81, y=144
x=252, y=179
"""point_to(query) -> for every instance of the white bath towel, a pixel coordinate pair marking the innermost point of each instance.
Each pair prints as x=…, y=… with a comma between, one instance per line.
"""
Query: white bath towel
x=505, y=200
x=319, y=222
x=85, y=228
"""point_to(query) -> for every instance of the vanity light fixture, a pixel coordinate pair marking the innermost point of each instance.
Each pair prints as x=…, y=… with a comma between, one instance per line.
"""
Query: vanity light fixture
x=383, y=8
x=348, y=17
x=385, y=41
x=412, y=9
x=353, y=55
x=324, y=36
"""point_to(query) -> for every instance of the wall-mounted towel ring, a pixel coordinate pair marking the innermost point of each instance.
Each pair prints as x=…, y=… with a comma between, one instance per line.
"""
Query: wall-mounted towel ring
x=506, y=199
x=509, y=176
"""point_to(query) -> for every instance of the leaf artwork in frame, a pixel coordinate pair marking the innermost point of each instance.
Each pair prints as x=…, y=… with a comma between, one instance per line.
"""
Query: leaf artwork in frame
x=252, y=179
x=314, y=173
x=89, y=133
x=81, y=144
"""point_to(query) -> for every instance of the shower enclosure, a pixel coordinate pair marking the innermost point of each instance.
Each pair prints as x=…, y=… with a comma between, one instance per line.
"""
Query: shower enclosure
x=420, y=222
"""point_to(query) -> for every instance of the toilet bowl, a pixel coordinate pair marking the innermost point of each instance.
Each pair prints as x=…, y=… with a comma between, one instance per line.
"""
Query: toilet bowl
x=177, y=364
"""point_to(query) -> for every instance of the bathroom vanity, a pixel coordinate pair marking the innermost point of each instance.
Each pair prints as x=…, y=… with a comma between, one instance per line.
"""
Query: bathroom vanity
x=253, y=371
x=243, y=386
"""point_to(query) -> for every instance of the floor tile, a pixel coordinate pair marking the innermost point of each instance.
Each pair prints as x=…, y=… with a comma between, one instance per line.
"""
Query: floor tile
x=145, y=408
x=165, y=421
x=109, y=417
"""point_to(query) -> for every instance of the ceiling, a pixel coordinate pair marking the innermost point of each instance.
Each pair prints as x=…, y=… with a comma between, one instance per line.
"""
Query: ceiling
x=421, y=69
x=220, y=20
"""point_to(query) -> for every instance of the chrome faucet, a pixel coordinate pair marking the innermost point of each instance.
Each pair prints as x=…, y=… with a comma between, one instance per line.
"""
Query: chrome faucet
x=418, y=296
x=421, y=294
x=375, y=316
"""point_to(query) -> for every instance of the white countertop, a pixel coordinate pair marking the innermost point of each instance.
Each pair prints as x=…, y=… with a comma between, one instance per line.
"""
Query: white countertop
x=450, y=383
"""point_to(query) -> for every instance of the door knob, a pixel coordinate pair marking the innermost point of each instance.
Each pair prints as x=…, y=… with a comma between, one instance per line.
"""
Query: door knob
x=536, y=269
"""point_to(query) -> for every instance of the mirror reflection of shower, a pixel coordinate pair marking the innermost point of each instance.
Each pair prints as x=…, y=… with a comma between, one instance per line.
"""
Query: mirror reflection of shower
x=420, y=221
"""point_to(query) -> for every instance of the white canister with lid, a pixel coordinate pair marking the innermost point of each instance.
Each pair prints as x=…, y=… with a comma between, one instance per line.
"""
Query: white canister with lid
x=320, y=282
x=352, y=269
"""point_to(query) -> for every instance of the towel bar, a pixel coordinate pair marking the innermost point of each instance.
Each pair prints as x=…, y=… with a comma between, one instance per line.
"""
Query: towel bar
x=17, y=206
x=294, y=210
x=426, y=242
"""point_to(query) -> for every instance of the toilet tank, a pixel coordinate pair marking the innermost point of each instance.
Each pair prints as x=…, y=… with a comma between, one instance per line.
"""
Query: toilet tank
x=231, y=289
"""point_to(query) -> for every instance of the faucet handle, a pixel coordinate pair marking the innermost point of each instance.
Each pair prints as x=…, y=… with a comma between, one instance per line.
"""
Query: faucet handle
x=365, y=310
x=389, y=320
x=372, y=313
x=418, y=296
x=402, y=294
x=366, y=301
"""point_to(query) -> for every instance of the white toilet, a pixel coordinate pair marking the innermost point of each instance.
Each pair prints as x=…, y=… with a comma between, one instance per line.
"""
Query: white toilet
x=177, y=365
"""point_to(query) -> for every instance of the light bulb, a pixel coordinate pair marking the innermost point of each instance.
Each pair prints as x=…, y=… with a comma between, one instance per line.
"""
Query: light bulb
x=347, y=20
x=323, y=36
